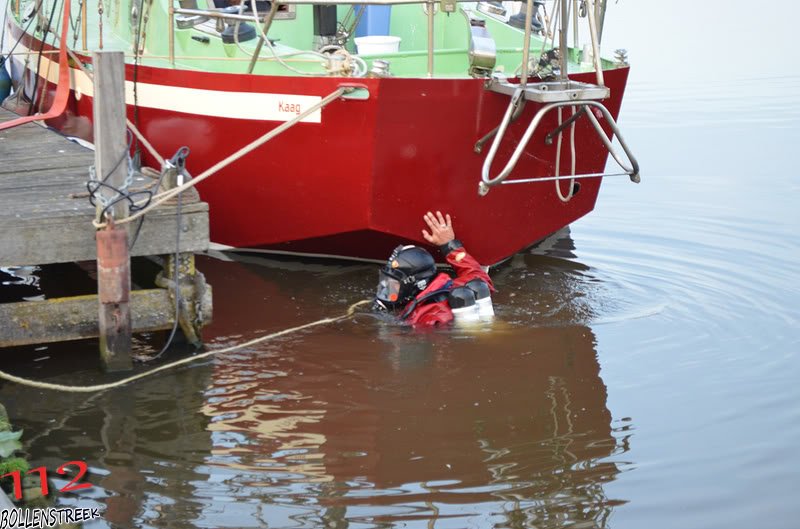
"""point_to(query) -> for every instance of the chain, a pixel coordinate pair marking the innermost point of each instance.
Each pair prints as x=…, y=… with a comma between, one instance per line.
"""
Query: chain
x=74, y=26
x=145, y=19
x=94, y=184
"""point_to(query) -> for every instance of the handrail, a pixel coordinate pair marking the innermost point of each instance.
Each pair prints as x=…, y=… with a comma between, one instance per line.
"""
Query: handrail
x=631, y=170
x=213, y=13
x=367, y=2
x=267, y=18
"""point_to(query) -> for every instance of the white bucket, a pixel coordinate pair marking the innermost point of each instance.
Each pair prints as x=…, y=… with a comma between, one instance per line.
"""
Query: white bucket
x=377, y=44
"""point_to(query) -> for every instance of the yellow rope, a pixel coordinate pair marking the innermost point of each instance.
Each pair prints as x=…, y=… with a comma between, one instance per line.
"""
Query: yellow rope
x=102, y=387
x=160, y=198
x=130, y=124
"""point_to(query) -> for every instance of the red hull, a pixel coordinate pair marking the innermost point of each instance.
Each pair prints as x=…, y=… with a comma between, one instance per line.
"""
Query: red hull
x=359, y=182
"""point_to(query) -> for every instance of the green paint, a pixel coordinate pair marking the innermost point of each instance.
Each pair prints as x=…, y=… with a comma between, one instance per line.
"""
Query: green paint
x=409, y=22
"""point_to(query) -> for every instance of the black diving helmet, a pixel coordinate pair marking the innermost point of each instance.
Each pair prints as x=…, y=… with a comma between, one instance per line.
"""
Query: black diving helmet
x=408, y=272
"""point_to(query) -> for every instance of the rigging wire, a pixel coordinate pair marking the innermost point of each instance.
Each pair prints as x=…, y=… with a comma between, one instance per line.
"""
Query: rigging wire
x=74, y=26
x=175, y=287
x=361, y=62
x=136, y=55
x=19, y=39
x=39, y=59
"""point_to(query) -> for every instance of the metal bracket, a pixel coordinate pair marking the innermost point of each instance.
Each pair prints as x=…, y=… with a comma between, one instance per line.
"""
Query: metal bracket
x=482, y=48
x=632, y=169
x=189, y=21
x=550, y=91
x=355, y=91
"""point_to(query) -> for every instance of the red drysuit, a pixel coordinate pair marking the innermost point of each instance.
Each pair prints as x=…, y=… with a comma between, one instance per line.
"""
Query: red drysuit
x=436, y=313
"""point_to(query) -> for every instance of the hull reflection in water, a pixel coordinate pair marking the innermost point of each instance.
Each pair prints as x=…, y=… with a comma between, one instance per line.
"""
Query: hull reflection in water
x=359, y=423
x=145, y=445
x=368, y=423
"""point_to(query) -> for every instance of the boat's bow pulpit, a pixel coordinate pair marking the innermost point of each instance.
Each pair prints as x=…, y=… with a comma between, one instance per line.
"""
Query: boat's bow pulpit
x=553, y=92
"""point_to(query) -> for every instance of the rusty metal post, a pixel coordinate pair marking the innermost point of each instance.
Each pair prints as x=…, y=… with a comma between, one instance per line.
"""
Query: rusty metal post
x=114, y=287
x=113, y=258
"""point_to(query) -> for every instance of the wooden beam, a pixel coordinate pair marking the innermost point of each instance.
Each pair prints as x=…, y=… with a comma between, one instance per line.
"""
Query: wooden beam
x=111, y=167
x=66, y=239
x=75, y=318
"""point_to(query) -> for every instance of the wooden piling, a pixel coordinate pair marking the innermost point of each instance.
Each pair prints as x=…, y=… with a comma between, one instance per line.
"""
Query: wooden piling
x=46, y=218
x=113, y=259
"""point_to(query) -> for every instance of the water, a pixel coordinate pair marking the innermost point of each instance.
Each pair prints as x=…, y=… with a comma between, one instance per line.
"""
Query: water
x=642, y=373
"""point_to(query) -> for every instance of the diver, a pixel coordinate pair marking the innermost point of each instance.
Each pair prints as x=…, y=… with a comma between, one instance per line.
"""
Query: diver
x=410, y=288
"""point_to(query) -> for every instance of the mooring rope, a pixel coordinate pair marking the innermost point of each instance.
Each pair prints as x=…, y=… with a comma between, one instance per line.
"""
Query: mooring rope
x=158, y=199
x=102, y=387
x=131, y=126
x=162, y=197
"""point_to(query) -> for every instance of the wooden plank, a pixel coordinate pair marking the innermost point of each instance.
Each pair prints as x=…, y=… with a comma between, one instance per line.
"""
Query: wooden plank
x=53, y=176
x=75, y=318
x=42, y=224
x=20, y=210
x=68, y=239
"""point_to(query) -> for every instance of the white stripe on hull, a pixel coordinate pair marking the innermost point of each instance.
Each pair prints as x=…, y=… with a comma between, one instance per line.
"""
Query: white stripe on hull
x=217, y=103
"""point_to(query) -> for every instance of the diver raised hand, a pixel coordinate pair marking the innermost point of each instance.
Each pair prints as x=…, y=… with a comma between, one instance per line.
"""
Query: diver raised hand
x=441, y=228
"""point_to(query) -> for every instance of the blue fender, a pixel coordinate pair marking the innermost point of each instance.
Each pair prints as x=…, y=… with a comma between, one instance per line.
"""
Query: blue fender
x=5, y=81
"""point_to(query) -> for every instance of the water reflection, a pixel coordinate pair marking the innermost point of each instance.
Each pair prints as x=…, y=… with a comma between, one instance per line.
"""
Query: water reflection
x=378, y=425
x=144, y=446
x=356, y=424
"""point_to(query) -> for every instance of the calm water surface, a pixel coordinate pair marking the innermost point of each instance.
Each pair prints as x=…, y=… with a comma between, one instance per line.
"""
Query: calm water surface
x=643, y=371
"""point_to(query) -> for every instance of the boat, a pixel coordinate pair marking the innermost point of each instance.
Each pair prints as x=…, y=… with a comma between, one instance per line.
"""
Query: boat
x=429, y=109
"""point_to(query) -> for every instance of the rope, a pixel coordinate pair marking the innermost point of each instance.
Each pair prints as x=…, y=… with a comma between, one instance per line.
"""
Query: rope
x=572, y=159
x=166, y=195
x=111, y=385
x=131, y=126
x=176, y=287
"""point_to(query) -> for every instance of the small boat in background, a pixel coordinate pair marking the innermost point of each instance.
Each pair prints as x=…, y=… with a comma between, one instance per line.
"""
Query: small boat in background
x=445, y=104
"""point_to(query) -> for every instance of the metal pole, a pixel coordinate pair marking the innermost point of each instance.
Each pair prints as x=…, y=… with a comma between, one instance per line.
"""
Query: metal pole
x=562, y=40
x=171, y=36
x=113, y=259
x=601, y=20
x=595, y=46
x=84, y=24
x=526, y=47
x=575, y=37
x=267, y=23
x=430, y=38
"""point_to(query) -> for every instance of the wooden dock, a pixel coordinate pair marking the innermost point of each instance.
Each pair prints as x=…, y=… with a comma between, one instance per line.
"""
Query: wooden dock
x=46, y=217
x=45, y=212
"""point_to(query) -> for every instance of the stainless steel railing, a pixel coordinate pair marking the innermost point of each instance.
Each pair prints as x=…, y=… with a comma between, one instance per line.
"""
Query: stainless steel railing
x=631, y=168
x=268, y=18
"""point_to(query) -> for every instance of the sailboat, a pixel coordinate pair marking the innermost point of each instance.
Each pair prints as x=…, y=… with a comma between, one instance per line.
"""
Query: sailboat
x=386, y=111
